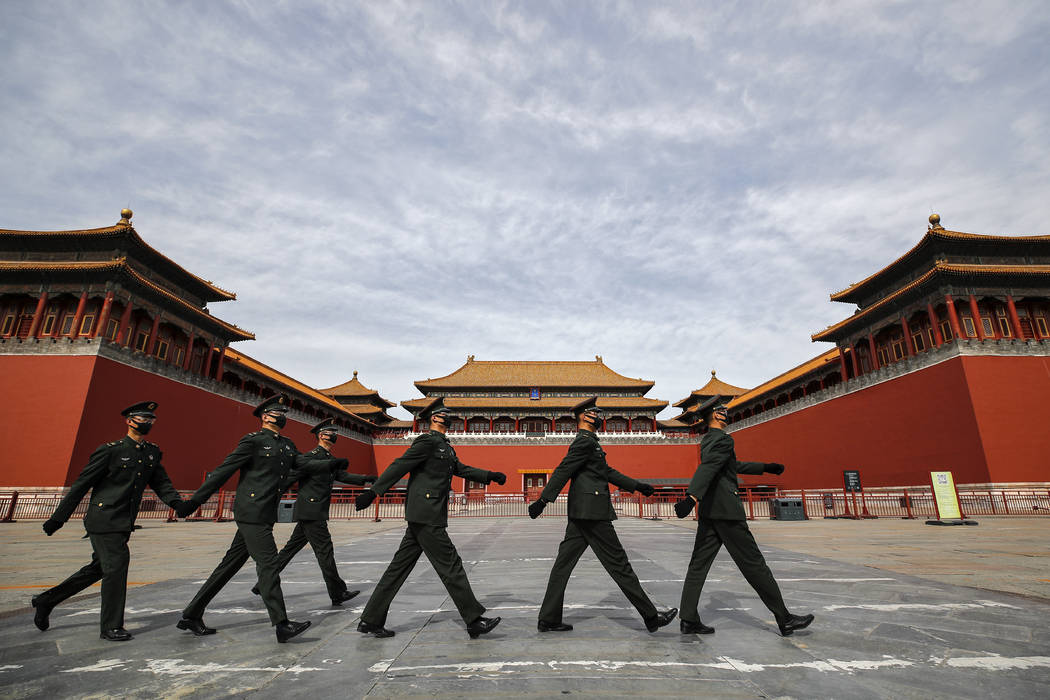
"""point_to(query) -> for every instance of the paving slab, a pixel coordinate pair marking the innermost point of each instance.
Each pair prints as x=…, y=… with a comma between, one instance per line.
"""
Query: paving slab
x=884, y=629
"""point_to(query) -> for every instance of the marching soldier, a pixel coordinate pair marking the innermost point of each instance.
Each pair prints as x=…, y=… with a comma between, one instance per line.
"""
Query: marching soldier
x=266, y=461
x=590, y=523
x=722, y=521
x=117, y=472
x=311, y=510
x=430, y=463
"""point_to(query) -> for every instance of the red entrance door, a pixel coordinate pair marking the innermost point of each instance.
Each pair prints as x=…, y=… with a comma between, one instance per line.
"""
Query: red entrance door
x=534, y=484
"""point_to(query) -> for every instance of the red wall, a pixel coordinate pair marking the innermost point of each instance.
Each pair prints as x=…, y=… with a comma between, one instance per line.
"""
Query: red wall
x=983, y=418
x=195, y=429
x=637, y=461
x=42, y=400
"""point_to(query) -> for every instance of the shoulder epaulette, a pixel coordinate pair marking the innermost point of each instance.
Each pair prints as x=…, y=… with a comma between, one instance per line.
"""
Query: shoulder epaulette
x=112, y=444
x=151, y=444
x=424, y=436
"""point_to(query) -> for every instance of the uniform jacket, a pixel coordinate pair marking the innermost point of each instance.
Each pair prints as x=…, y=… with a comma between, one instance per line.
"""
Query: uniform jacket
x=315, y=485
x=267, y=463
x=118, y=472
x=715, y=484
x=591, y=475
x=430, y=463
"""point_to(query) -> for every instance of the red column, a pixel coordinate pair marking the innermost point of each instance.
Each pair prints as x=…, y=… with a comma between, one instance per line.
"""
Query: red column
x=125, y=319
x=152, y=342
x=1015, y=320
x=853, y=358
x=78, y=315
x=207, y=361
x=189, y=353
x=953, y=317
x=103, y=316
x=975, y=312
x=490, y=425
x=552, y=425
x=630, y=423
x=935, y=324
x=874, y=352
x=38, y=315
x=907, y=337
x=218, y=369
x=842, y=365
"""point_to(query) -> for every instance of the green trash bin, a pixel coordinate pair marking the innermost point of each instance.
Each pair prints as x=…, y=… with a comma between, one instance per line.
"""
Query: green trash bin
x=284, y=510
x=788, y=509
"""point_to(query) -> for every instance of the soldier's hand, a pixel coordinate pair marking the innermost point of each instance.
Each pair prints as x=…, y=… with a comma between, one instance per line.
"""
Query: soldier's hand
x=499, y=477
x=186, y=508
x=774, y=468
x=51, y=526
x=536, y=507
x=341, y=463
x=646, y=489
x=364, y=499
x=684, y=507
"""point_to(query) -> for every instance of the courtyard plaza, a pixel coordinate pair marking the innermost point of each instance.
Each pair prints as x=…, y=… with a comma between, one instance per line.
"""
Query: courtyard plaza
x=903, y=610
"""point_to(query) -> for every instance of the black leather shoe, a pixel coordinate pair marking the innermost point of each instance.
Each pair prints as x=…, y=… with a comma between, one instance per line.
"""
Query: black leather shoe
x=378, y=630
x=43, y=612
x=196, y=626
x=255, y=590
x=697, y=627
x=116, y=635
x=553, y=626
x=288, y=629
x=794, y=622
x=660, y=619
x=344, y=596
x=482, y=625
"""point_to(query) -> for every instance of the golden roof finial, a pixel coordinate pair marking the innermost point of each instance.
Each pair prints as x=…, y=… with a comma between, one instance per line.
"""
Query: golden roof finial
x=125, y=217
x=598, y=358
x=935, y=221
x=470, y=358
x=355, y=374
x=712, y=374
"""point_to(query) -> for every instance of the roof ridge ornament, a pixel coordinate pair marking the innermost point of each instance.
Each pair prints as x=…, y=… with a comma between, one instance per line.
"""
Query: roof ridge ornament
x=125, y=217
x=598, y=358
x=935, y=222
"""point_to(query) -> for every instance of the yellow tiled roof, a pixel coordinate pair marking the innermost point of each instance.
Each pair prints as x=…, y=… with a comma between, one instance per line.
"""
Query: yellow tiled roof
x=239, y=358
x=354, y=387
x=526, y=373
x=714, y=387
x=121, y=265
x=217, y=292
x=932, y=235
x=787, y=377
x=458, y=403
x=938, y=268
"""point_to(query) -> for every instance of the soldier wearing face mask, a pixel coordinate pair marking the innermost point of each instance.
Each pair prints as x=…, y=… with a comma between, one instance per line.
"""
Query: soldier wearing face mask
x=590, y=523
x=117, y=473
x=311, y=510
x=267, y=463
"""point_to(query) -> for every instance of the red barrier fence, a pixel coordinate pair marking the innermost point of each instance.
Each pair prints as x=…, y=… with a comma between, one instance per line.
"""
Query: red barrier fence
x=912, y=502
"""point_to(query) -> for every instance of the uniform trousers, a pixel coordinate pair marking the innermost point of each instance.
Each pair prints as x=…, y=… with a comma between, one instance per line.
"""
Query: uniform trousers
x=109, y=563
x=601, y=537
x=253, y=540
x=433, y=541
x=315, y=533
x=741, y=545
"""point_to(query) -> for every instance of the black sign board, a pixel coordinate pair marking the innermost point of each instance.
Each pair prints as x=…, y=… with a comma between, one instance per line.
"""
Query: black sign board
x=851, y=480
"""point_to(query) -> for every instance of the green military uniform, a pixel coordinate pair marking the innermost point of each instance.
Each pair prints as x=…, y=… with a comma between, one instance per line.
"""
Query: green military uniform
x=311, y=515
x=266, y=462
x=590, y=525
x=430, y=463
x=117, y=473
x=723, y=521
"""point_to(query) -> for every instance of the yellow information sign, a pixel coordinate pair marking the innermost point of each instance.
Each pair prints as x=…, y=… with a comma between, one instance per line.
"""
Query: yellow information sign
x=945, y=496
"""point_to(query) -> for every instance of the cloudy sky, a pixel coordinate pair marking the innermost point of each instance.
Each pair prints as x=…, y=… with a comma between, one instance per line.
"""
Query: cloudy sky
x=391, y=186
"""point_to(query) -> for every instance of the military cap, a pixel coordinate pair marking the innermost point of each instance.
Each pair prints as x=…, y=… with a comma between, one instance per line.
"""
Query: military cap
x=590, y=404
x=435, y=407
x=708, y=407
x=277, y=402
x=143, y=408
x=326, y=424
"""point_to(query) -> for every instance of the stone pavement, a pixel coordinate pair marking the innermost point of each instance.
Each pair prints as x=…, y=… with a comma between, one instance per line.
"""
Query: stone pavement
x=892, y=619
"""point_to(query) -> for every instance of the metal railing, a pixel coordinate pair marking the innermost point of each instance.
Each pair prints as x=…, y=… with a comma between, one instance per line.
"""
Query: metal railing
x=906, y=503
